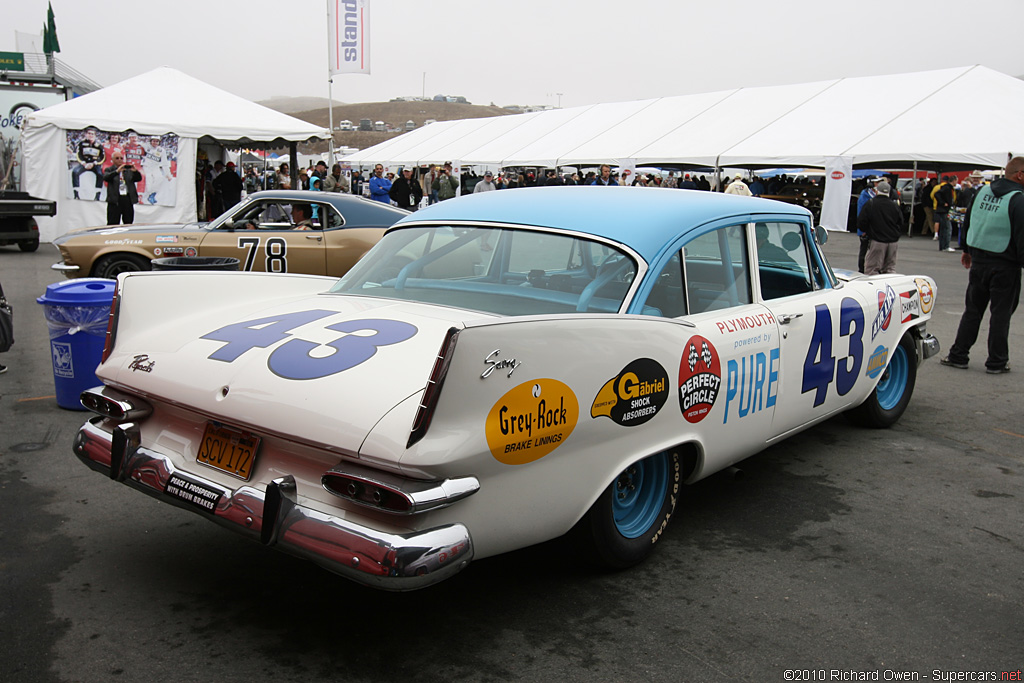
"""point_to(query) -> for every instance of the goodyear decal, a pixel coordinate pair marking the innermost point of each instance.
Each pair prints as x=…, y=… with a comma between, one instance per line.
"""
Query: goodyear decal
x=752, y=383
x=530, y=421
x=910, y=306
x=633, y=396
x=927, y=293
x=877, y=361
x=700, y=377
x=886, y=302
x=122, y=241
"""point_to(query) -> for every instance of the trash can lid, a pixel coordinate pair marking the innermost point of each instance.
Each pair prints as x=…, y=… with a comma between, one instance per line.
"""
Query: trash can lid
x=83, y=291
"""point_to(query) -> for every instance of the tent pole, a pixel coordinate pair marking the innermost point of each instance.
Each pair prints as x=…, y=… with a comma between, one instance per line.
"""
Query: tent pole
x=330, y=97
x=913, y=196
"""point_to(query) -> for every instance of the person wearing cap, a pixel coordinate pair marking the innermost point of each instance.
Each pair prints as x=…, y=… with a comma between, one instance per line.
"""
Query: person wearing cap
x=485, y=185
x=881, y=222
x=405, y=191
x=228, y=186
x=738, y=187
x=994, y=255
x=943, y=199
x=336, y=181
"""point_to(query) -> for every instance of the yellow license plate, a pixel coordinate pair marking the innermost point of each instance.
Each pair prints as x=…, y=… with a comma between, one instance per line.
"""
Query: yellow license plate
x=228, y=450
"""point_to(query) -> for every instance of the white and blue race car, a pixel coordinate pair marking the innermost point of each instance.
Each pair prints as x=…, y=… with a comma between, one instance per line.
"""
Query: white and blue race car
x=499, y=370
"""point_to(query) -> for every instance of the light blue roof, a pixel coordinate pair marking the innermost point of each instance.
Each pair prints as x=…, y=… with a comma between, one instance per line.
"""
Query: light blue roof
x=642, y=218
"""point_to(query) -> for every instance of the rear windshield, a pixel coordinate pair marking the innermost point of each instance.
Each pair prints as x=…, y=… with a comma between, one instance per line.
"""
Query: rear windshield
x=495, y=270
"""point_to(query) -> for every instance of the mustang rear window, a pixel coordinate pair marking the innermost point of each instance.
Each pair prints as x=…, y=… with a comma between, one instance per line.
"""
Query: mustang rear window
x=494, y=270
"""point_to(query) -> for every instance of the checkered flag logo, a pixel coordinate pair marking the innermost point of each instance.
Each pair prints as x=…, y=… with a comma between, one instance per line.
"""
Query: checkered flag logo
x=692, y=357
x=705, y=354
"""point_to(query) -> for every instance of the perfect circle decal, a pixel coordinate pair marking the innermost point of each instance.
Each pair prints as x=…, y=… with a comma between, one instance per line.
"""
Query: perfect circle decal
x=700, y=377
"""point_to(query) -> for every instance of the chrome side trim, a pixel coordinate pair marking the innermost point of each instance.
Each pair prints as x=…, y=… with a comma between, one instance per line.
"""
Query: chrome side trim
x=419, y=495
x=929, y=346
x=276, y=517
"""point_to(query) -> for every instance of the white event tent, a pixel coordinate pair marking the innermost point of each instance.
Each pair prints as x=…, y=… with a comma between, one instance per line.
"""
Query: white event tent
x=964, y=117
x=159, y=102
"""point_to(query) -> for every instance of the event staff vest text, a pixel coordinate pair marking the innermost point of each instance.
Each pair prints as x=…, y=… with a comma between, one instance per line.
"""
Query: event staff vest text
x=990, y=221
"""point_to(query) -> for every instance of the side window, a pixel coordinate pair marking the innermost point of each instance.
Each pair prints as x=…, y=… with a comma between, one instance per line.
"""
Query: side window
x=783, y=261
x=334, y=219
x=716, y=270
x=667, y=297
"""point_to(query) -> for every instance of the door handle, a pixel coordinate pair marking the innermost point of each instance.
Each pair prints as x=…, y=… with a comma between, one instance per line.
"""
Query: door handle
x=314, y=237
x=787, y=318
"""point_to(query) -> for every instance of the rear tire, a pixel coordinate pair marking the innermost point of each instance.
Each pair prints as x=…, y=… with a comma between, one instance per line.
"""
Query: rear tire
x=110, y=266
x=891, y=396
x=631, y=515
x=28, y=246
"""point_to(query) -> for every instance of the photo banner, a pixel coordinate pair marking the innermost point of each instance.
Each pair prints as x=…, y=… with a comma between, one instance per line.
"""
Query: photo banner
x=348, y=27
x=90, y=153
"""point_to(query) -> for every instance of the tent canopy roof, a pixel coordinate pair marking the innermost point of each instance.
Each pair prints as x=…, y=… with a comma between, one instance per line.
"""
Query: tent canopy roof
x=166, y=100
x=894, y=119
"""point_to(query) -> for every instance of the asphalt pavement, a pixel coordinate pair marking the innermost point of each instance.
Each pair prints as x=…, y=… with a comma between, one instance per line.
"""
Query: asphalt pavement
x=839, y=554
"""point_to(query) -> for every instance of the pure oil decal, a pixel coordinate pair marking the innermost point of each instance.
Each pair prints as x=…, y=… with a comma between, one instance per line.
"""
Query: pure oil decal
x=700, y=377
x=633, y=396
x=531, y=420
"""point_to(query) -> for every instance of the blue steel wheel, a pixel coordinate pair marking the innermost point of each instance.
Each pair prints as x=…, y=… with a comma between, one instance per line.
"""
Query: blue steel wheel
x=893, y=384
x=631, y=515
x=892, y=394
x=639, y=494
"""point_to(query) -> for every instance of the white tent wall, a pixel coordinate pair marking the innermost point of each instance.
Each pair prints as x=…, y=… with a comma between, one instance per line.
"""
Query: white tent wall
x=872, y=119
x=49, y=146
x=158, y=102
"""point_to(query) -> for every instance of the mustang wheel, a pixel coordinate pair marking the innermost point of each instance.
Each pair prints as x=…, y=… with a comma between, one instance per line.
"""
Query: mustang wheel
x=891, y=396
x=627, y=520
x=111, y=266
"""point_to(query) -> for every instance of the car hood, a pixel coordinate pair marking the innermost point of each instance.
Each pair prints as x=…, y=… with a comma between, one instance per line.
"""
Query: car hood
x=129, y=229
x=275, y=353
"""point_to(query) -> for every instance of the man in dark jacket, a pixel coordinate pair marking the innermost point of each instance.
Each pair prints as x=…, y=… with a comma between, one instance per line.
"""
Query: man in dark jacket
x=994, y=231
x=943, y=199
x=881, y=221
x=229, y=186
x=122, y=196
x=406, y=192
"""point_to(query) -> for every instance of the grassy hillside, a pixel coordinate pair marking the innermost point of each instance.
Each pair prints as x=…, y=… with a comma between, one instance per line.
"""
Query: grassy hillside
x=394, y=113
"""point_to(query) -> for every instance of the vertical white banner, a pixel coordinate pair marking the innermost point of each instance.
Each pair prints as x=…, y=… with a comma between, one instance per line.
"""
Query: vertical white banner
x=348, y=27
x=835, y=206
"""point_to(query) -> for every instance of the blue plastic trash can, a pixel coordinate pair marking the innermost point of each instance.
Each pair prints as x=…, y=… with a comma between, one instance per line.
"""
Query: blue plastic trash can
x=76, y=314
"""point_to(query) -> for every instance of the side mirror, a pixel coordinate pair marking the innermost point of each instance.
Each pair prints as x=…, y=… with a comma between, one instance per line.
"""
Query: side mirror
x=820, y=235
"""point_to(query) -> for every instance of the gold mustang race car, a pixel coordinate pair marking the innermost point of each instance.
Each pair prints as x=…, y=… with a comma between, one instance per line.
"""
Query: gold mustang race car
x=261, y=232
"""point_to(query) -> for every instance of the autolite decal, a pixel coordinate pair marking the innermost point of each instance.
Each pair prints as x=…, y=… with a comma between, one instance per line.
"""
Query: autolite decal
x=633, y=396
x=531, y=420
x=700, y=378
x=886, y=302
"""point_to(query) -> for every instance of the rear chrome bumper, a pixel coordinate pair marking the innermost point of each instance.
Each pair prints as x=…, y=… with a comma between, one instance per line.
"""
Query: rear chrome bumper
x=397, y=562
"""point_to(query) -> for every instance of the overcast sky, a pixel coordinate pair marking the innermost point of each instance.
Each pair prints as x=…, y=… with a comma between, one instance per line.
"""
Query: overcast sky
x=528, y=51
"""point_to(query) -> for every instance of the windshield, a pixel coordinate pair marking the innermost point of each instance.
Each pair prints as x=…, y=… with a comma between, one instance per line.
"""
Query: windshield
x=495, y=270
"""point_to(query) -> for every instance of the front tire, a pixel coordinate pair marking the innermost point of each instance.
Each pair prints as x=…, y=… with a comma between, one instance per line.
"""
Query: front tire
x=631, y=515
x=891, y=396
x=114, y=264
